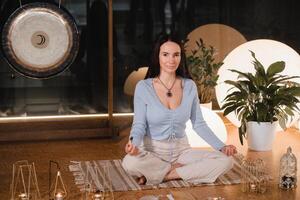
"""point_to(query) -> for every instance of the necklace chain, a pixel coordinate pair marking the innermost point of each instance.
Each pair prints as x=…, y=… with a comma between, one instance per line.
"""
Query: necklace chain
x=169, y=93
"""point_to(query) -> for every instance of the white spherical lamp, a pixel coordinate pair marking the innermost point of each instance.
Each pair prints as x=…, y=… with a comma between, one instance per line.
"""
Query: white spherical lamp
x=214, y=122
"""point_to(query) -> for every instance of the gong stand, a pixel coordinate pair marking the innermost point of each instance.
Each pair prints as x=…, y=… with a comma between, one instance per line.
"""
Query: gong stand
x=59, y=3
x=113, y=131
x=29, y=50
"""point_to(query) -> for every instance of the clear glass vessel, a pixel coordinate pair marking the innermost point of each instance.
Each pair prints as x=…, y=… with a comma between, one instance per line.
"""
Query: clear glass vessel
x=254, y=178
x=288, y=170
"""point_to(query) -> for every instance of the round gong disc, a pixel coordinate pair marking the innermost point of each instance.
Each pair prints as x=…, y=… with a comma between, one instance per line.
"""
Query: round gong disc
x=40, y=40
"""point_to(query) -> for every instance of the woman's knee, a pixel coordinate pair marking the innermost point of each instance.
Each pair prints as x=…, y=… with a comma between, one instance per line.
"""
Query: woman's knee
x=227, y=163
x=129, y=162
x=131, y=165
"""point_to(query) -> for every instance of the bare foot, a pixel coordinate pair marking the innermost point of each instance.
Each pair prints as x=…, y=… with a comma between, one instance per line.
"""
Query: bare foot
x=172, y=174
x=141, y=180
x=175, y=165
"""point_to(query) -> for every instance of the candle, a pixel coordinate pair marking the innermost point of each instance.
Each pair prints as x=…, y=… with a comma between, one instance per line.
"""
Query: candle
x=23, y=196
x=97, y=196
x=59, y=196
x=252, y=186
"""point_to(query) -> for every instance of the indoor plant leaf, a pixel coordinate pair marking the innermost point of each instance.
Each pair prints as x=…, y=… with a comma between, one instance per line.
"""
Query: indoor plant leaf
x=262, y=96
x=204, y=70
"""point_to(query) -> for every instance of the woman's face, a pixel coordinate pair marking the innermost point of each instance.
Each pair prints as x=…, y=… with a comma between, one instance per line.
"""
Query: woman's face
x=169, y=57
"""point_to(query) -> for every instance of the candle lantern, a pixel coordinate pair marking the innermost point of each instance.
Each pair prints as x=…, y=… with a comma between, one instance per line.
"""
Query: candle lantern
x=59, y=195
x=288, y=170
x=23, y=196
x=254, y=177
x=98, y=195
x=24, y=184
x=57, y=189
x=98, y=184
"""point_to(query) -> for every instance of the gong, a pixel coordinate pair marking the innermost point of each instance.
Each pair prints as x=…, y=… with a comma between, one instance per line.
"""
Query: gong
x=40, y=40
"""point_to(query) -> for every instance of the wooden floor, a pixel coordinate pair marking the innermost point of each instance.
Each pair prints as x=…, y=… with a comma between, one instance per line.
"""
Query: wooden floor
x=64, y=151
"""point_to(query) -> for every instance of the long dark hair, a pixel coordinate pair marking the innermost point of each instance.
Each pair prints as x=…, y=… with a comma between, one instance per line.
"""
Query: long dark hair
x=154, y=68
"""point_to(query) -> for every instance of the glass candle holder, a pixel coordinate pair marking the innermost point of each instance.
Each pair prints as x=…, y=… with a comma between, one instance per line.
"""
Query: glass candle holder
x=97, y=182
x=59, y=196
x=254, y=177
x=23, y=196
x=98, y=195
x=288, y=170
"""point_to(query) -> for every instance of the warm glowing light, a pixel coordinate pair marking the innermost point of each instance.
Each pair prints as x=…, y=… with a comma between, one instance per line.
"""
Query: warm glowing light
x=23, y=196
x=59, y=196
x=222, y=37
x=98, y=196
x=213, y=121
x=133, y=79
x=55, y=117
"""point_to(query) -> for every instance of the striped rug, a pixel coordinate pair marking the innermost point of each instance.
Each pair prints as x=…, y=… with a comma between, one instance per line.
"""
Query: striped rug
x=121, y=181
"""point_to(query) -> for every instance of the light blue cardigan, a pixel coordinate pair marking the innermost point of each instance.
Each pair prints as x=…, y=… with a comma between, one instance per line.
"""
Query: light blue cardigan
x=153, y=119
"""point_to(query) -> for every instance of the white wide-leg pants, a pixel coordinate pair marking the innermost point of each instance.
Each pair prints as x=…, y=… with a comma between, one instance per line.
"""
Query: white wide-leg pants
x=156, y=157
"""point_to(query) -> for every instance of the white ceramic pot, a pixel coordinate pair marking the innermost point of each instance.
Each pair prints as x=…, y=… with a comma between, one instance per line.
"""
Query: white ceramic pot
x=260, y=136
x=207, y=105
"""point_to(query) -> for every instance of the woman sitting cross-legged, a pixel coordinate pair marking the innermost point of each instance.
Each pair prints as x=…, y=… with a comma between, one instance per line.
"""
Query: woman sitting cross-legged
x=158, y=149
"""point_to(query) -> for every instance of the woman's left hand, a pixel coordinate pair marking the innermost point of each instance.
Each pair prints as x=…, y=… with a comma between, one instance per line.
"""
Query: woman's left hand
x=229, y=150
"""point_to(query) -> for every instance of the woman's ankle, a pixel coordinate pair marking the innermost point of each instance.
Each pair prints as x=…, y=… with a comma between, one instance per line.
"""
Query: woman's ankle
x=172, y=175
x=176, y=165
x=141, y=180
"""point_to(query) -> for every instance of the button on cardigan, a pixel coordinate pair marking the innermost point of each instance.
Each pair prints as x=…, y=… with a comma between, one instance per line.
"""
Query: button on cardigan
x=158, y=122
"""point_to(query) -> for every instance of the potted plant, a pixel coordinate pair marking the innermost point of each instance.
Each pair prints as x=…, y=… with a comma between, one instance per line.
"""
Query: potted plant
x=204, y=70
x=262, y=99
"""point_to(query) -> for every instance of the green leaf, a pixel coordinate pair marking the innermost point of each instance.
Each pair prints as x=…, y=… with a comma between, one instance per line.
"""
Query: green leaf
x=275, y=68
x=292, y=91
x=289, y=111
x=241, y=114
x=234, y=96
x=229, y=109
x=284, y=78
x=242, y=131
x=282, y=123
x=203, y=68
x=242, y=74
x=235, y=84
x=295, y=91
x=260, y=70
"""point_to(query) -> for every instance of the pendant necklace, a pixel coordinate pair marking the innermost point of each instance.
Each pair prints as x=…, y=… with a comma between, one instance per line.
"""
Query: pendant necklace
x=169, y=93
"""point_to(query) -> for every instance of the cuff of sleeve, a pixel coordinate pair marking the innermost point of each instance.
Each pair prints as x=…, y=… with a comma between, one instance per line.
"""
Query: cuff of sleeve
x=136, y=141
x=219, y=147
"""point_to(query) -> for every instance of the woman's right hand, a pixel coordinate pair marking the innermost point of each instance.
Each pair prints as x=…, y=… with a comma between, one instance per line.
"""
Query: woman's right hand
x=131, y=149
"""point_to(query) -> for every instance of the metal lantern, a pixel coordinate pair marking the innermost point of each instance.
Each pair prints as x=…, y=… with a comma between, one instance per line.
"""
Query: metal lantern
x=24, y=185
x=254, y=177
x=288, y=170
x=57, y=188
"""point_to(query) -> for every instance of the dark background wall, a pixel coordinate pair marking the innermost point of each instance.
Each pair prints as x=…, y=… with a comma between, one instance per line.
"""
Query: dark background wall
x=82, y=89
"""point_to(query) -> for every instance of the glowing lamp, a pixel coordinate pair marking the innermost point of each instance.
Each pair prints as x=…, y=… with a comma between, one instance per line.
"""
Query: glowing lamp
x=214, y=122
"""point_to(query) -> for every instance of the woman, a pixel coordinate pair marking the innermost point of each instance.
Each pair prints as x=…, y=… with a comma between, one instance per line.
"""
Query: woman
x=158, y=149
